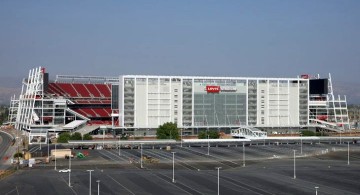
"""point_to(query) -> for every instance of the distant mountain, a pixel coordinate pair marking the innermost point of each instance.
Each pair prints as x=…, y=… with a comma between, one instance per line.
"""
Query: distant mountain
x=6, y=93
x=351, y=90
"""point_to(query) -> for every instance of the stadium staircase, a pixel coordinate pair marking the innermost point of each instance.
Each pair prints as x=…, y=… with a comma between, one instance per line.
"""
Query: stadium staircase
x=87, y=129
x=331, y=127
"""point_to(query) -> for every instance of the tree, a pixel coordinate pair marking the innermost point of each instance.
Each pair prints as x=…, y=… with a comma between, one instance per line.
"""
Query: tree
x=18, y=155
x=64, y=137
x=87, y=137
x=76, y=136
x=168, y=130
x=308, y=133
x=212, y=134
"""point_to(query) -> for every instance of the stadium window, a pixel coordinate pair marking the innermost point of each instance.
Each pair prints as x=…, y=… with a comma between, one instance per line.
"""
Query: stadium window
x=175, y=101
x=262, y=112
x=175, y=106
x=175, y=96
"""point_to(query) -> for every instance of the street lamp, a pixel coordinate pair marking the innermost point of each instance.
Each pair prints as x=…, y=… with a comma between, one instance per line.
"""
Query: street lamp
x=348, y=154
x=55, y=155
x=119, y=145
x=98, y=182
x=243, y=154
x=181, y=132
x=294, y=165
x=316, y=189
x=47, y=138
x=208, y=151
x=141, y=157
x=218, y=188
x=69, y=170
x=301, y=143
x=103, y=138
x=90, y=181
x=173, y=179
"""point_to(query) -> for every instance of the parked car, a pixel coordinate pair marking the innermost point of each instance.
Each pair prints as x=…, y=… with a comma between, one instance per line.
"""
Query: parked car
x=64, y=170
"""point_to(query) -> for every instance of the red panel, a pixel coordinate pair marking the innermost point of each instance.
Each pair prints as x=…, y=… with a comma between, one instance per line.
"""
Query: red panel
x=93, y=90
x=68, y=89
x=212, y=89
x=104, y=89
x=81, y=89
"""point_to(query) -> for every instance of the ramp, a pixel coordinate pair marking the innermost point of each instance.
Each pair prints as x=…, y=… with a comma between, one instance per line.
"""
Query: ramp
x=87, y=129
x=248, y=132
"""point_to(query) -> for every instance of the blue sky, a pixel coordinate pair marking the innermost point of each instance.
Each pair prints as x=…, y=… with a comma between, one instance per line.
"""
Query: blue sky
x=265, y=38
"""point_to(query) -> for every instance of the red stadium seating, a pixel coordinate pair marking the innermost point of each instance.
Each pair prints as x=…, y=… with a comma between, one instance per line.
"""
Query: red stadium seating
x=104, y=89
x=68, y=88
x=93, y=90
x=79, y=87
x=53, y=88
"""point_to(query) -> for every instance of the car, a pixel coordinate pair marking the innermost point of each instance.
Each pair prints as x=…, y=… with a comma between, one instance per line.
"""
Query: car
x=65, y=170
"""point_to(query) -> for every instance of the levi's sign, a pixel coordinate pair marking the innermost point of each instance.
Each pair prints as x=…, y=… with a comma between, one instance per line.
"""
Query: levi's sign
x=217, y=89
x=213, y=89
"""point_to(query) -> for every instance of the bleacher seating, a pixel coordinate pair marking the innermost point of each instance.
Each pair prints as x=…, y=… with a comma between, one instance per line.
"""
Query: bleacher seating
x=93, y=90
x=53, y=88
x=96, y=99
x=94, y=112
x=68, y=88
x=81, y=89
x=104, y=89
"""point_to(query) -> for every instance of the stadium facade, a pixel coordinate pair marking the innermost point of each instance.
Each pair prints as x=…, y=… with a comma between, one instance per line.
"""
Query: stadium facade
x=139, y=103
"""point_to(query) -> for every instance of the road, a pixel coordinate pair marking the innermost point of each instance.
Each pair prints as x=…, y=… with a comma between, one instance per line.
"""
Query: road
x=5, y=142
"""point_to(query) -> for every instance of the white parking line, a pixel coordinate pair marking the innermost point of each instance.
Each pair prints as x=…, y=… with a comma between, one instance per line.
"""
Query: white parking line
x=120, y=184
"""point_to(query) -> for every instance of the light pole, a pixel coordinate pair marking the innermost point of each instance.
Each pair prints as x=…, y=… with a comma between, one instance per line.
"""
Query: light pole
x=69, y=170
x=348, y=154
x=340, y=136
x=47, y=138
x=218, y=182
x=173, y=179
x=181, y=132
x=90, y=181
x=98, y=182
x=243, y=154
x=55, y=155
x=103, y=138
x=141, y=157
x=294, y=165
x=208, y=152
x=301, y=143
x=316, y=189
x=119, y=146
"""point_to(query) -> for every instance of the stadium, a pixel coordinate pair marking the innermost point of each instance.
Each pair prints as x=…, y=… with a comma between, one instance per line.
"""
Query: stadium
x=138, y=104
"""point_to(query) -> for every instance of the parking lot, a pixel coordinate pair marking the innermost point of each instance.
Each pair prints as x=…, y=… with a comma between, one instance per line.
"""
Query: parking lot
x=269, y=169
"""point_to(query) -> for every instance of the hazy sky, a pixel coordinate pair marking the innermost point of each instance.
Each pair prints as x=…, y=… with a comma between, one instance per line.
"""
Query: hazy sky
x=266, y=38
